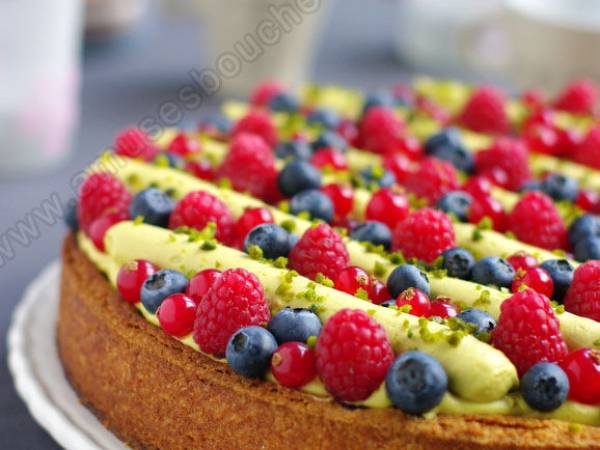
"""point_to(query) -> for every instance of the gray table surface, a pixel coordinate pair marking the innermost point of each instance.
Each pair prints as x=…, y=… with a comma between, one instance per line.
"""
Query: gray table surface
x=122, y=83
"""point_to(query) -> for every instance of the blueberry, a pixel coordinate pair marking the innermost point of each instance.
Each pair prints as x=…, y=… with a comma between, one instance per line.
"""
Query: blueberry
x=293, y=238
x=295, y=324
x=444, y=138
x=545, y=386
x=330, y=138
x=458, y=156
x=298, y=176
x=485, y=323
x=218, y=121
x=249, y=351
x=159, y=286
x=314, y=202
x=153, y=205
x=457, y=203
x=560, y=187
x=284, y=102
x=375, y=232
x=407, y=276
x=388, y=303
x=458, y=262
x=169, y=159
x=587, y=248
x=561, y=272
x=584, y=226
x=416, y=382
x=293, y=150
x=323, y=117
x=493, y=270
x=379, y=98
x=71, y=218
x=273, y=240
x=531, y=185
x=383, y=178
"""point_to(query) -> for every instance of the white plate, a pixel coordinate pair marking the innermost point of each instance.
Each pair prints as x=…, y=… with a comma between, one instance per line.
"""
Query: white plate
x=38, y=374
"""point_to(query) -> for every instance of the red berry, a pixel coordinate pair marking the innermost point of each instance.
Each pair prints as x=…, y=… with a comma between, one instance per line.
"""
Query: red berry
x=250, y=166
x=351, y=279
x=329, y=157
x=183, y=145
x=235, y=300
x=588, y=151
x=508, y=155
x=533, y=99
x=388, y=207
x=380, y=130
x=535, y=278
x=294, y=364
x=528, y=331
x=131, y=276
x=583, y=296
x=251, y=218
x=419, y=302
x=342, y=198
x=485, y=111
x=197, y=209
x=264, y=92
x=441, y=307
x=587, y=200
x=411, y=148
x=535, y=220
x=432, y=179
x=201, y=283
x=523, y=261
x=100, y=226
x=579, y=97
x=425, y=234
x=319, y=250
x=478, y=187
x=134, y=143
x=433, y=110
x=541, y=138
x=201, y=169
x=102, y=194
x=348, y=130
x=176, y=315
x=488, y=207
x=353, y=355
x=583, y=369
x=379, y=293
x=258, y=123
x=568, y=141
x=399, y=165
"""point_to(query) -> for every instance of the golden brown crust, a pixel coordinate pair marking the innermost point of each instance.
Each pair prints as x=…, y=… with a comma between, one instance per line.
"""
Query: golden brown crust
x=154, y=392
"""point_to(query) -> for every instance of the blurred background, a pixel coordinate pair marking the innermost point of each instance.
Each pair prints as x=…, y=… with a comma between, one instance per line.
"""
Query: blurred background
x=73, y=73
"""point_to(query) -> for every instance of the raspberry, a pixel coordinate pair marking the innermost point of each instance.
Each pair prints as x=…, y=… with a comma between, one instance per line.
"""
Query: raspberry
x=579, y=97
x=102, y=194
x=134, y=143
x=319, y=250
x=235, y=300
x=425, y=234
x=388, y=207
x=183, y=145
x=259, y=123
x=587, y=200
x=535, y=220
x=588, y=151
x=485, y=111
x=399, y=165
x=329, y=157
x=432, y=179
x=583, y=296
x=200, y=169
x=197, y=209
x=478, y=187
x=353, y=355
x=528, y=331
x=250, y=166
x=380, y=130
x=508, y=155
x=264, y=92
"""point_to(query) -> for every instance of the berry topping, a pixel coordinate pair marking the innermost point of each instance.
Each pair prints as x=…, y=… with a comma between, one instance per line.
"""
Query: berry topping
x=588, y=200
x=249, y=351
x=493, y=270
x=399, y=165
x=131, y=276
x=258, y=123
x=201, y=169
x=588, y=151
x=295, y=324
x=583, y=370
x=329, y=157
x=587, y=248
x=319, y=250
x=388, y=207
x=482, y=320
x=535, y=278
x=293, y=150
x=485, y=111
x=432, y=179
x=416, y=382
x=419, y=302
x=102, y=194
x=272, y=239
x=523, y=261
x=153, y=205
x=560, y=187
x=583, y=297
x=284, y=102
x=251, y=218
x=584, y=226
x=134, y=143
x=264, y=92
x=375, y=232
x=294, y=364
x=200, y=284
x=405, y=277
x=184, y=146
x=535, y=220
x=510, y=158
x=329, y=139
x=478, y=187
x=425, y=234
x=326, y=118
x=176, y=315
x=380, y=130
x=159, y=286
x=579, y=97
x=483, y=207
x=351, y=279
x=447, y=146
x=235, y=300
x=317, y=204
x=197, y=209
x=545, y=386
x=297, y=176
x=342, y=198
x=458, y=263
x=561, y=272
x=353, y=355
x=378, y=98
x=100, y=226
x=528, y=331
x=457, y=203
x=379, y=292
x=442, y=308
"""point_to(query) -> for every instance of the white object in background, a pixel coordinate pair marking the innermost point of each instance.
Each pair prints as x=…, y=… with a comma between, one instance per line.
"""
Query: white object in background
x=104, y=18
x=38, y=374
x=39, y=82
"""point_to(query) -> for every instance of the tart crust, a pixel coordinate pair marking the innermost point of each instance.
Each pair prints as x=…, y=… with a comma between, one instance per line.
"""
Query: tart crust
x=154, y=392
